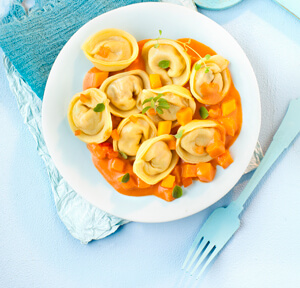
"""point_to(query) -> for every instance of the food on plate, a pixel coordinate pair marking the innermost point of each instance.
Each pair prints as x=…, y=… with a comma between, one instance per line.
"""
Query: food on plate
x=155, y=160
x=168, y=59
x=111, y=49
x=210, y=79
x=123, y=90
x=201, y=141
x=132, y=132
x=168, y=101
x=161, y=121
x=89, y=116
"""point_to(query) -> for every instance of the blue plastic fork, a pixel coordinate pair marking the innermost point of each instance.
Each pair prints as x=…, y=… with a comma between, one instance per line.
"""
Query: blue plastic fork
x=224, y=221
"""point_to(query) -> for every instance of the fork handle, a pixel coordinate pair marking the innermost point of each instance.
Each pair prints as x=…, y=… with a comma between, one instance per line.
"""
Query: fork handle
x=287, y=131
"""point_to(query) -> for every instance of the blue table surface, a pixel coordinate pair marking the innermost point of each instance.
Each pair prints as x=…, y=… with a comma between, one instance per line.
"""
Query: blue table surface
x=36, y=249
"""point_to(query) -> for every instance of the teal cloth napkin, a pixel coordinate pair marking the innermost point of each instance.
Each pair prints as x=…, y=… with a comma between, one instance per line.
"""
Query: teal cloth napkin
x=31, y=42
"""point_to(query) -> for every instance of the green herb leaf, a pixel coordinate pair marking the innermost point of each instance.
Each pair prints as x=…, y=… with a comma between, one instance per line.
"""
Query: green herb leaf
x=153, y=103
x=164, y=105
x=159, y=32
x=123, y=155
x=146, y=109
x=206, y=70
x=125, y=178
x=203, y=112
x=207, y=56
x=162, y=100
x=164, y=64
x=158, y=96
x=177, y=192
x=99, y=107
x=147, y=100
x=197, y=66
x=159, y=110
x=156, y=45
x=179, y=134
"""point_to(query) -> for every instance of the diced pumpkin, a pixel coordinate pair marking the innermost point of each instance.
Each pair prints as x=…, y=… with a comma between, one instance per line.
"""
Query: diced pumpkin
x=155, y=81
x=94, y=78
x=206, y=172
x=141, y=184
x=215, y=149
x=184, y=116
x=168, y=182
x=187, y=181
x=189, y=170
x=166, y=193
x=199, y=149
x=112, y=154
x=214, y=112
x=117, y=164
x=103, y=51
x=229, y=125
x=152, y=112
x=164, y=127
x=228, y=107
x=100, y=150
x=77, y=132
x=172, y=144
x=115, y=135
x=84, y=98
x=177, y=173
x=133, y=119
x=225, y=159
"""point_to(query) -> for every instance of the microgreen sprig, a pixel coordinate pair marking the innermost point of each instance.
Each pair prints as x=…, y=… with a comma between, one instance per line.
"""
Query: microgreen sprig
x=157, y=103
x=157, y=44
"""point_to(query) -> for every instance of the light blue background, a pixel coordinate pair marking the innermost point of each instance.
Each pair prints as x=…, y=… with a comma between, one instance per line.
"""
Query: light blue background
x=36, y=250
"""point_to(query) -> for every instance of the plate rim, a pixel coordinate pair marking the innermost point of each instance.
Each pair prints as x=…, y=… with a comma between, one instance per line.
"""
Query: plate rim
x=255, y=134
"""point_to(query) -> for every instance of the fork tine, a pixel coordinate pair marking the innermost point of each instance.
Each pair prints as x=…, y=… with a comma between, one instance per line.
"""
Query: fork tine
x=192, y=249
x=201, y=247
x=208, y=249
x=211, y=257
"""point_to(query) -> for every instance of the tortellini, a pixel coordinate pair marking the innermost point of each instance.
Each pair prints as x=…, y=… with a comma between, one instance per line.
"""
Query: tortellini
x=178, y=70
x=133, y=131
x=93, y=127
x=111, y=49
x=178, y=97
x=154, y=159
x=195, y=134
x=123, y=90
x=210, y=84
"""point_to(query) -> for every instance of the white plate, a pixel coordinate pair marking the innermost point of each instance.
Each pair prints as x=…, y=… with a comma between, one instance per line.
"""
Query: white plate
x=73, y=159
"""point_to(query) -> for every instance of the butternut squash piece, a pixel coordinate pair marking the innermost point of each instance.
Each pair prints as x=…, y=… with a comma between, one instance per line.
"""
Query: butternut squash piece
x=228, y=107
x=225, y=159
x=155, y=81
x=206, y=172
x=164, y=127
x=215, y=149
x=184, y=116
x=168, y=182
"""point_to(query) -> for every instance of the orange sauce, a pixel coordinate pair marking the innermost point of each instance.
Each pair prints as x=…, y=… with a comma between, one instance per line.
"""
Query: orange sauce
x=133, y=186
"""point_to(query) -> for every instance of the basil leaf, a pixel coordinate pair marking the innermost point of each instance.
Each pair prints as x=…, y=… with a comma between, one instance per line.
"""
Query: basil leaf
x=177, y=192
x=159, y=110
x=147, y=100
x=99, y=107
x=123, y=155
x=125, y=178
x=179, y=134
x=158, y=96
x=164, y=105
x=197, y=66
x=156, y=45
x=159, y=32
x=164, y=64
x=152, y=103
x=207, y=56
x=203, y=112
x=146, y=109
x=206, y=70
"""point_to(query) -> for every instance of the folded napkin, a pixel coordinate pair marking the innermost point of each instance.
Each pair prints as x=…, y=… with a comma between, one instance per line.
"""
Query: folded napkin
x=31, y=41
